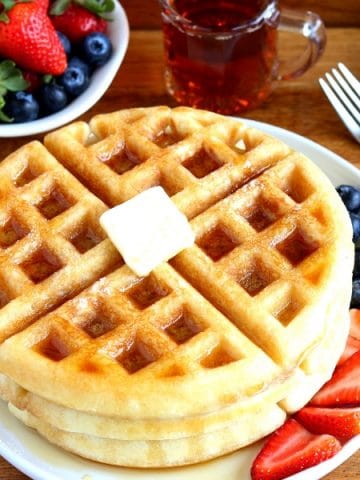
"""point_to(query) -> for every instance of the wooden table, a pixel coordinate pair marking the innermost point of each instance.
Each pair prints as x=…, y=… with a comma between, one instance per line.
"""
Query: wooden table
x=299, y=105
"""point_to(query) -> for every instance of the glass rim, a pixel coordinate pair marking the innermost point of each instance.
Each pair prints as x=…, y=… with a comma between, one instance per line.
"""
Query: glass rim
x=254, y=23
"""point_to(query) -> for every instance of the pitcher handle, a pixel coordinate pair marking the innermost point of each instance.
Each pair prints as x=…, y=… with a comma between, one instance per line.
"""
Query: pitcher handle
x=309, y=25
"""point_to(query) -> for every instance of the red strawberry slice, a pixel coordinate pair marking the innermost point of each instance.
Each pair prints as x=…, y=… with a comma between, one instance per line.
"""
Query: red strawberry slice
x=343, y=389
x=28, y=38
x=353, y=341
x=355, y=323
x=343, y=423
x=76, y=22
x=291, y=449
x=352, y=346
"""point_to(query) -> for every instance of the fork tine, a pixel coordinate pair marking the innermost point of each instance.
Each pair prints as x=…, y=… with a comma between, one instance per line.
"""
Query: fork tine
x=354, y=82
x=343, y=113
x=347, y=88
x=342, y=96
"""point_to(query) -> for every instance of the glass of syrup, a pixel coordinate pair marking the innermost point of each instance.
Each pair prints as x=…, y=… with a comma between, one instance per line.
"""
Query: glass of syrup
x=221, y=55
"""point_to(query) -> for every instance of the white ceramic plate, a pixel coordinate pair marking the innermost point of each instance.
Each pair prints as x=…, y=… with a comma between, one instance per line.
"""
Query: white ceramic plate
x=40, y=460
x=118, y=31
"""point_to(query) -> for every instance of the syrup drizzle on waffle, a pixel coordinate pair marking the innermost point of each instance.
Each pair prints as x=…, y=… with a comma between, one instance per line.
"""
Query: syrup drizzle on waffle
x=237, y=328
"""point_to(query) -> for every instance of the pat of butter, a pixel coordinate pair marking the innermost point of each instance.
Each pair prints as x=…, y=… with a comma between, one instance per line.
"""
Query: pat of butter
x=147, y=229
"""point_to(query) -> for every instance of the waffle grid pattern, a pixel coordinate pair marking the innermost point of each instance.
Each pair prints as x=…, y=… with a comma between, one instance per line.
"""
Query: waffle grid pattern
x=218, y=343
x=204, y=164
x=48, y=223
x=124, y=324
x=237, y=185
x=257, y=246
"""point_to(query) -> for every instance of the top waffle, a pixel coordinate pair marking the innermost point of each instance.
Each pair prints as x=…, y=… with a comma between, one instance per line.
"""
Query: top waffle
x=253, y=312
x=268, y=223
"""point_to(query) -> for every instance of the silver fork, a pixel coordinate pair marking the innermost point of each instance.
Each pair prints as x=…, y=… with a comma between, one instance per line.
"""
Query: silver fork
x=343, y=91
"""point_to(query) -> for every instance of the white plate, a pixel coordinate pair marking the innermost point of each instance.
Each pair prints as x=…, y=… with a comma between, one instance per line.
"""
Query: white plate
x=40, y=460
x=118, y=31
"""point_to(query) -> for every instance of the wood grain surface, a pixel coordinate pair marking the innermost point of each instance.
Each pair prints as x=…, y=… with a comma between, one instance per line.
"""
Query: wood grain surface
x=145, y=14
x=298, y=105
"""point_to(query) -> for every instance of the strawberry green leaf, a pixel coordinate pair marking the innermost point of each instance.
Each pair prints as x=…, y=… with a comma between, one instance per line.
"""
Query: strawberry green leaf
x=59, y=6
x=99, y=7
x=6, y=5
x=11, y=78
x=15, y=83
x=47, y=79
x=5, y=68
x=3, y=116
x=4, y=18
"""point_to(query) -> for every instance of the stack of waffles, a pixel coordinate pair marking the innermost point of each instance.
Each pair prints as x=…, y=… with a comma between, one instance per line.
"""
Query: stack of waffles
x=214, y=348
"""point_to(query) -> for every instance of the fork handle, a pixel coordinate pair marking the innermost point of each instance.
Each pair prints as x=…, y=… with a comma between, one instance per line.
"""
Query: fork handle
x=309, y=25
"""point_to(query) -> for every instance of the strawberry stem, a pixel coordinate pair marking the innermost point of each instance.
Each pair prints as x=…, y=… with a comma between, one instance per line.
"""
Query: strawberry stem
x=100, y=7
x=47, y=79
x=3, y=116
x=5, y=6
x=59, y=6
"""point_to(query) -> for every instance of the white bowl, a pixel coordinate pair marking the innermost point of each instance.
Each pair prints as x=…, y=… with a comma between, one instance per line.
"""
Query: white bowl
x=118, y=31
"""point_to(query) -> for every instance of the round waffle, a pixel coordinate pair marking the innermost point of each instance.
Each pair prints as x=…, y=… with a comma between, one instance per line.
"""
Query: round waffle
x=212, y=349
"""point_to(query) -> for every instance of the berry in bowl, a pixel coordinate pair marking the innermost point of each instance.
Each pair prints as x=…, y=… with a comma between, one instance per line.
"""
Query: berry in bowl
x=68, y=54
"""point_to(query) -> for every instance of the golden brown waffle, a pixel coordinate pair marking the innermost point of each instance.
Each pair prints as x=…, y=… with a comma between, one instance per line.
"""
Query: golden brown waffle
x=191, y=154
x=180, y=338
x=180, y=366
x=51, y=243
x=121, y=325
x=265, y=251
x=171, y=441
x=154, y=453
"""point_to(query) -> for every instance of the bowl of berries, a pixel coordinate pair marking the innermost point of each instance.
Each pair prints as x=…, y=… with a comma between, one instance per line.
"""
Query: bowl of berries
x=57, y=60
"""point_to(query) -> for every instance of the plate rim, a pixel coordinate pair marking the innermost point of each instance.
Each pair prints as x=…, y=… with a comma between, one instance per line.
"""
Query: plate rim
x=36, y=472
x=280, y=131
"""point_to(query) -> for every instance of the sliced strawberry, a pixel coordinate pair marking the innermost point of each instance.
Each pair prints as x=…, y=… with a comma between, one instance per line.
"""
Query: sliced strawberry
x=355, y=323
x=353, y=341
x=291, y=449
x=343, y=423
x=352, y=346
x=343, y=389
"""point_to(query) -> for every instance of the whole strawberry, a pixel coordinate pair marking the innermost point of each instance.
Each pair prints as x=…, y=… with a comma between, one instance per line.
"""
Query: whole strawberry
x=76, y=21
x=44, y=4
x=28, y=37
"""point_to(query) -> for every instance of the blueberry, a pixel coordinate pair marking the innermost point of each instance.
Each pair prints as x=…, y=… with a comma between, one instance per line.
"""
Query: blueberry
x=53, y=97
x=21, y=107
x=65, y=43
x=350, y=196
x=355, y=298
x=74, y=80
x=355, y=220
x=96, y=49
x=77, y=62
